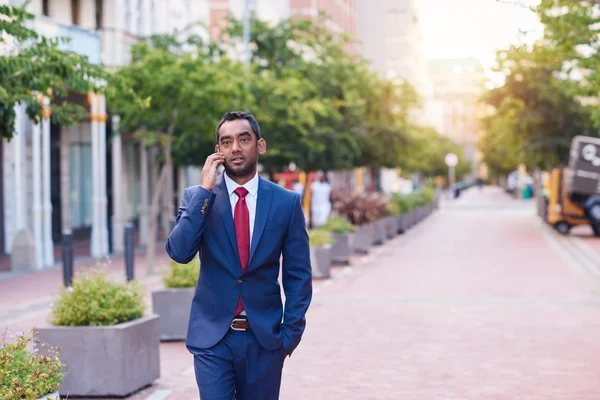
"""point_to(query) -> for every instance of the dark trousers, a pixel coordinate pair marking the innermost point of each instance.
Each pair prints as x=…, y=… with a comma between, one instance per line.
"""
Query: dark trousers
x=238, y=367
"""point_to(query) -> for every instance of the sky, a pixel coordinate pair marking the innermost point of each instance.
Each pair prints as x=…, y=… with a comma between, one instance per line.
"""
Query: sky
x=478, y=28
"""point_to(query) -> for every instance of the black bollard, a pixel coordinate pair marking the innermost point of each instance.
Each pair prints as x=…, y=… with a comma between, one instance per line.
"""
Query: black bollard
x=129, y=254
x=67, y=243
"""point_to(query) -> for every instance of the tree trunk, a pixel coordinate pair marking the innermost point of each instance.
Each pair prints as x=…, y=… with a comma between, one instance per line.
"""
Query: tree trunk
x=159, y=192
x=152, y=228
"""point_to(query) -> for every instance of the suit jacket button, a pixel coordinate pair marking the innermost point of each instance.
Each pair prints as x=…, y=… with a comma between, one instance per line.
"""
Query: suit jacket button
x=240, y=280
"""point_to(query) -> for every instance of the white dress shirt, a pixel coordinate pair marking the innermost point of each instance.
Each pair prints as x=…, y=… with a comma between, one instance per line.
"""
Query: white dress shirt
x=252, y=187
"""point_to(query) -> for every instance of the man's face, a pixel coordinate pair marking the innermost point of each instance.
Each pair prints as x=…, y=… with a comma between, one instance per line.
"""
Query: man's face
x=240, y=148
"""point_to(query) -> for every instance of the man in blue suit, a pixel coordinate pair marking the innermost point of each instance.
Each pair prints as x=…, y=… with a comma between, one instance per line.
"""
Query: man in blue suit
x=242, y=225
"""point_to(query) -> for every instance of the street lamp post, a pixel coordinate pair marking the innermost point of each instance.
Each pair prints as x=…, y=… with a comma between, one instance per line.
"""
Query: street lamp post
x=451, y=160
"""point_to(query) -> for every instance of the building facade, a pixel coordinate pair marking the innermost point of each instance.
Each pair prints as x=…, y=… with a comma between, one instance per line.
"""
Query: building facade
x=85, y=179
x=389, y=33
x=341, y=14
x=457, y=86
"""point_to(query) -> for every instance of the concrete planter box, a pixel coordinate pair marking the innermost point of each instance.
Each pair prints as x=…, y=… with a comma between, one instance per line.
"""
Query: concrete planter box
x=379, y=232
x=51, y=396
x=173, y=307
x=107, y=361
x=363, y=238
x=401, y=223
x=320, y=260
x=343, y=248
x=410, y=218
x=391, y=226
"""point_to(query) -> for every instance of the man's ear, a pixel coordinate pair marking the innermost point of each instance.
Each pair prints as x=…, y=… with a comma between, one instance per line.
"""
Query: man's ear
x=262, y=146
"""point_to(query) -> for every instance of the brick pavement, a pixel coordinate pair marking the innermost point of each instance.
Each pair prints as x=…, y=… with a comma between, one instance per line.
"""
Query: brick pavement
x=480, y=301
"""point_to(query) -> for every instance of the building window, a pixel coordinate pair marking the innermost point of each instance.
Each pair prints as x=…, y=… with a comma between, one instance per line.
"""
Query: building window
x=140, y=13
x=80, y=175
x=128, y=15
x=99, y=12
x=75, y=12
x=45, y=8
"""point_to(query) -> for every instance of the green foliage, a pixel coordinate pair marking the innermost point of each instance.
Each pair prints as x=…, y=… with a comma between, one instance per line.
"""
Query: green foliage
x=425, y=151
x=535, y=113
x=428, y=195
x=550, y=92
x=25, y=372
x=182, y=275
x=338, y=224
x=32, y=64
x=96, y=300
x=319, y=105
x=320, y=238
x=404, y=203
x=571, y=43
x=185, y=92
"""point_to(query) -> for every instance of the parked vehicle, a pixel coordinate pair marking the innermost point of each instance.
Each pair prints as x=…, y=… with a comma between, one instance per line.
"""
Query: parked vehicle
x=574, y=192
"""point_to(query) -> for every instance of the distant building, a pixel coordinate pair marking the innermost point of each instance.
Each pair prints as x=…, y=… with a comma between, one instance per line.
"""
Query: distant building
x=342, y=14
x=454, y=104
x=389, y=32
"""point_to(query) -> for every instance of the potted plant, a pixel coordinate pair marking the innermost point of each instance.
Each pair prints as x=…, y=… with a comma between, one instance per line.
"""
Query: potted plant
x=353, y=207
x=402, y=207
x=342, y=231
x=393, y=214
x=172, y=304
x=96, y=317
x=25, y=373
x=376, y=205
x=320, y=252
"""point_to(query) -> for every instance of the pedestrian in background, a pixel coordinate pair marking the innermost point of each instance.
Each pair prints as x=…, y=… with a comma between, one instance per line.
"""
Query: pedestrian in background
x=320, y=200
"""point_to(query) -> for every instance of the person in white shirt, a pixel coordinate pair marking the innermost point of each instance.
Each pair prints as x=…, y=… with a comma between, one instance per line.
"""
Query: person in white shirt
x=320, y=200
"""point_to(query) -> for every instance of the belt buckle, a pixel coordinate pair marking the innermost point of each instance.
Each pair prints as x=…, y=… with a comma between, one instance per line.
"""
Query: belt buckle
x=238, y=320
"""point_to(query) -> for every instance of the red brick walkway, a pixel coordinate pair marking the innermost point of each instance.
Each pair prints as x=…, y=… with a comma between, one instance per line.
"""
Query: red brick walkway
x=480, y=301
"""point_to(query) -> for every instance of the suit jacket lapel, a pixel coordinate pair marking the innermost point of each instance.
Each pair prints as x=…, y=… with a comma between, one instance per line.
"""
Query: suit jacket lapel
x=263, y=206
x=224, y=207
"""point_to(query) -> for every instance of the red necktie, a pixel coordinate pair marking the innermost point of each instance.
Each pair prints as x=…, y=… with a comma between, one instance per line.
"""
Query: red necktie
x=241, y=221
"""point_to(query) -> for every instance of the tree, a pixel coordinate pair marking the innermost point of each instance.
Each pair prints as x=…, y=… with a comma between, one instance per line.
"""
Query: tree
x=535, y=114
x=426, y=150
x=348, y=115
x=186, y=91
x=32, y=65
x=571, y=29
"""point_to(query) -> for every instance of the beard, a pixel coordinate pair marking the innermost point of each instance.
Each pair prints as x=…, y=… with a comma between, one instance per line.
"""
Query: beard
x=240, y=170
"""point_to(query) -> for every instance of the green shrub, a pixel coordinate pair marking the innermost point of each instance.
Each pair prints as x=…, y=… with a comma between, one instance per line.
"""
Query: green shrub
x=404, y=203
x=394, y=207
x=24, y=372
x=182, y=275
x=428, y=194
x=320, y=238
x=338, y=224
x=96, y=300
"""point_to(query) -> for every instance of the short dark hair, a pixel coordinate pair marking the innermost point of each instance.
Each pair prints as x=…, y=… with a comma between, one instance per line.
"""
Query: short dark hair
x=233, y=115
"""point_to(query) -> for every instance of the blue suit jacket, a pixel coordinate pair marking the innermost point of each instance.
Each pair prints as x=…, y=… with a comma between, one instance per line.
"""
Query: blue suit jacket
x=205, y=224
